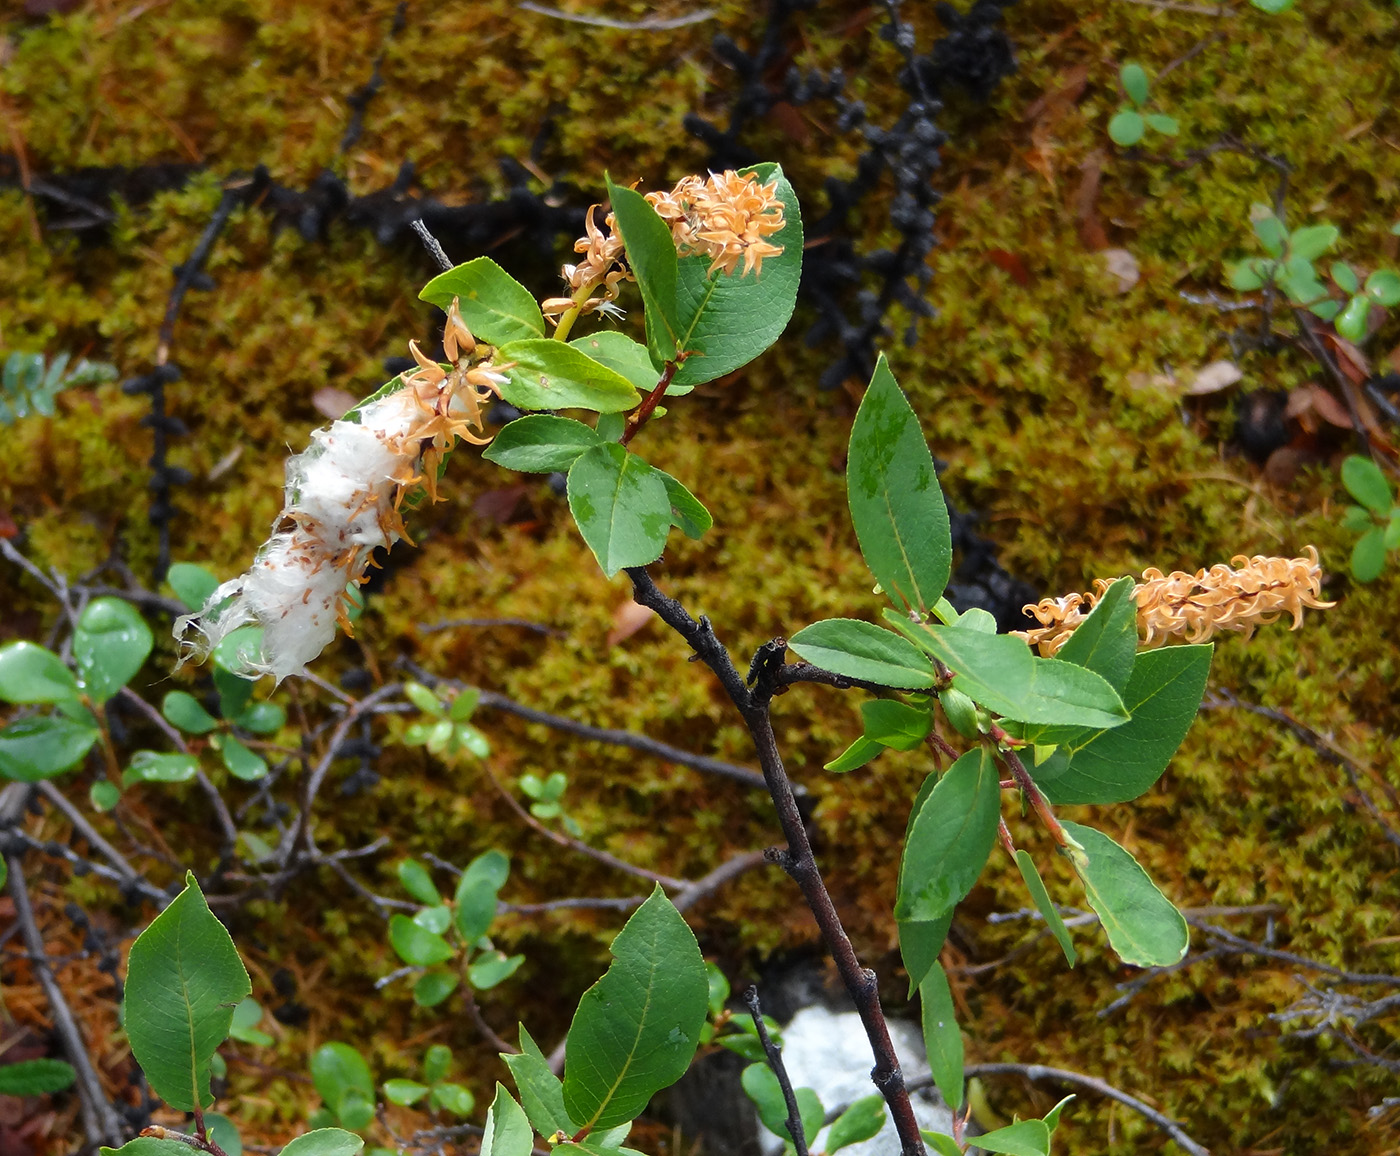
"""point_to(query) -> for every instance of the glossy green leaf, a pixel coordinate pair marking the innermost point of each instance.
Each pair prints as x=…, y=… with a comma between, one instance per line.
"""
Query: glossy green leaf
x=762, y=1087
x=1269, y=229
x=242, y=763
x=464, y=705
x=1163, y=694
x=960, y=711
x=184, y=979
x=1367, y=562
x=324, y=1142
x=476, y=894
x=1052, y=1117
x=507, y=1131
x=728, y=319
x=548, y=374
x=431, y=988
x=437, y=1063
x=262, y=718
x=1024, y=1138
x=1142, y=925
x=104, y=795
x=495, y=306
x=618, y=351
x=244, y=1027
x=651, y=253
x=949, y=839
x=30, y=673
x=193, y=585
x=942, y=1037
x=343, y=1080
x=417, y=882
x=1311, y=241
x=1343, y=277
x=895, y=724
x=1041, y=898
x=155, y=767
x=860, y=1122
x=1327, y=310
x=35, y=1077
x=148, y=1146
x=1106, y=641
x=897, y=507
x=717, y=988
x=435, y=919
x=637, y=1028
x=39, y=748
x=863, y=650
x=540, y=443
x=110, y=644
x=1134, y=79
x=223, y=1131
x=920, y=941
x=414, y=945
x=621, y=507
x=941, y=1143
x=453, y=1098
x=1351, y=321
x=492, y=967
x=1245, y=275
x=184, y=711
x=404, y=1092
x=234, y=692
x=238, y=649
x=1384, y=286
x=687, y=514
x=1127, y=127
x=1366, y=483
x=860, y=752
x=541, y=1091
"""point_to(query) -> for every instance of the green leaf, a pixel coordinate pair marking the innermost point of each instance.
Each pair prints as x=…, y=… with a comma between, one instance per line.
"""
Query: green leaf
x=1367, y=562
x=540, y=444
x=941, y=1143
x=342, y=1078
x=35, y=1077
x=1134, y=78
x=621, y=507
x=416, y=946
x=453, y=1097
x=1041, y=898
x=1244, y=275
x=29, y=673
x=618, y=351
x=860, y=752
x=651, y=253
x=897, y=507
x=1357, y=519
x=863, y=650
x=860, y=1122
x=148, y=1146
x=1127, y=127
x=1351, y=321
x=950, y=839
x=895, y=724
x=476, y=894
x=1384, y=286
x=507, y=1131
x=193, y=585
x=1142, y=925
x=39, y=748
x=1024, y=1138
x=1163, y=694
x=262, y=718
x=1269, y=229
x=541, y=1091
x=1273, y=7
x=687, y=514
x=464, y=705
x=435, y=919
x=153, y=767
x=104, y=795
x=495, y=306
x=324, y=1142
x=437, y=1063
x=242, y=763
x=1164, y=124
x=637, y=1028
x=1343, y=277
x=418, y=883
x=1106, y=641
x=184, y=979
x=1391, y=533
x=718, y=989
x=547, y=374
x=726, y=320
x=492, y=967
x=960, y=710
x=431, y=988
x=942, y=1037
x=423, y=698
x=1052, y=1117
x=1366, y=483
x=762, y=1087
x=244, y=1028
x=920, y=941
x=184, y=711
x=1311, y=241
x=223, y=1132
x=404, y=1092
x=1327, y=310
x=110, y=645
x=234, y=692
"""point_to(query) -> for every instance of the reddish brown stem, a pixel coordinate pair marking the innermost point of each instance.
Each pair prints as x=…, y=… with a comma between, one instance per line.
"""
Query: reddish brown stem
x=651, y=401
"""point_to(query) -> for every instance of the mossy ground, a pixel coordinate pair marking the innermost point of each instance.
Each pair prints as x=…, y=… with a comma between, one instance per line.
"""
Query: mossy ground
x=1027, y=383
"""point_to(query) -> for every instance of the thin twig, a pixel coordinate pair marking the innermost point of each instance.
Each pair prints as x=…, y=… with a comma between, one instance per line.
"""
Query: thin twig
x=431, y=244
x=775, y=1062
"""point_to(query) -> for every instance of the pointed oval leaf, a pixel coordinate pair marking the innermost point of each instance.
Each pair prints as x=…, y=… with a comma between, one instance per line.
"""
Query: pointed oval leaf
x=30, y=673
x=1106, y=641
x=897, y=506
x=687, y=514
x=621, y=507
x=618, y=351
x=920, y=942
x=762, y=1087
x=342, y=1078
x=35, y=1077
x=863, y=650
x=860, y=1122
x=39, y=748
x=540, y=443
x=545, y=374
x=651, y=252
x=942, y=1036
x=1351, y=322
x=895, y=724
x=1041, y=898
x=637, y=1028
x=404, y=1092
x=860, y=752
x=262, y=718
x=415, y=945
x=1367, y=562
x=541, y=1091
x=492, y=967
x=507, y=1131
x=184, y=979
x=183, y=710
x=1311, y=241
x=495, y=306
x=1024, y=1138
x=148, y=1146
x=1142, y=924
x=242, y=763
x=325, y=1142
x=192, y=584
x=154, y=767
x=433, y=987
x=476, y=894
x=417, y=882
x=1366, y=483
x=110, y=645
x=950, y=839
x=1134, y=78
